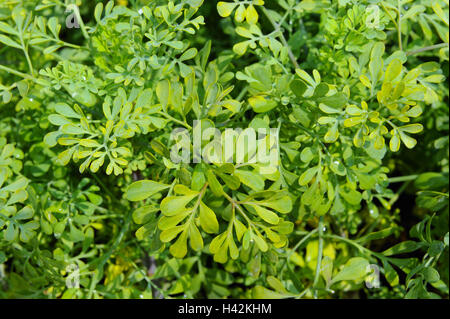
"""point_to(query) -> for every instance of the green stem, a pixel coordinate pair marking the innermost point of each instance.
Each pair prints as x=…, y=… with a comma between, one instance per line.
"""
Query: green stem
x=429, y=48
x=107, y=255
x=389, y=14
x=297, y=246
x=239, y=208
x=350, y=242
x=30, y=65
x=25, y=51
x=319, y=255
x=146, y=278
x=74, y=8
x=282, y=38
x=103, y=185
x=175, y=120
x=22, y=75
x=399, y=192
x=12, y=71
x=399, y=24
x=280, y=163
x=400, y=179
x=312, y=135
x=242, y=94
x=362, y=249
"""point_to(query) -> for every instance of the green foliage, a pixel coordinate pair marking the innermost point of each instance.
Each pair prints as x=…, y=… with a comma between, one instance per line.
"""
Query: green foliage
x=93, y=205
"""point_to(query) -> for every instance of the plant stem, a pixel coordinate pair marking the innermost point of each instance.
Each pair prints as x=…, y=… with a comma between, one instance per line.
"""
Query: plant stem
x=27, y=56
x=75, y=10
x=319, y=255
x=312, y=135
x=400, y=179
x=25, y=51
x=106, y=189
x=429, y=48
x=107, y=255
x=22, y=75
x=389, y=14
x=399, y=192
x=282, y=38
x=12, y=71
x=175, y=120
x=144, y=274
x=362, y=249
x=399, y=25
x=242, y=94
x=239, y=208
x=297, y=246
x=280, y=163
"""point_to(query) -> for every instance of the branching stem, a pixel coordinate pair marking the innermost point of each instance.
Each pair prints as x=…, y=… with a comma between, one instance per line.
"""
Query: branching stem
x=282, y=38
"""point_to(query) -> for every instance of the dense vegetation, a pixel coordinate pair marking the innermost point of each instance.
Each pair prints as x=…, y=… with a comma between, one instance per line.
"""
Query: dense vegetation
x=93, y=205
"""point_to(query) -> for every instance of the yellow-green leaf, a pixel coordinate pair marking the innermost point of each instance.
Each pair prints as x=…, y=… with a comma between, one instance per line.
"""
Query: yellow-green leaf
x=267, y=215
x=251, y=14
x=141, y=190
x=393, y=70
x=208, y=219
x=394, y=143
x=225, y=8
x=355, y=269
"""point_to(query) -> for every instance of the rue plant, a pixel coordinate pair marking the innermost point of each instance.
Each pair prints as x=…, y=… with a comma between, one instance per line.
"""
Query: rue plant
x=92, y=204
